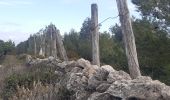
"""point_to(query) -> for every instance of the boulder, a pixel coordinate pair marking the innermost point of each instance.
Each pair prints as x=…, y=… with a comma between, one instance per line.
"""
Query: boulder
x=118, y=75
x=103, y=87
x=100, y=76
x=108, y=68
x=142, y=88
x=83, y=63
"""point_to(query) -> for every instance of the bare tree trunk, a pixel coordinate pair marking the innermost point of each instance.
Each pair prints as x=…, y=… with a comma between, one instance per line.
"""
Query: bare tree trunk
x=95, y=35
x=54, y=48
x=43, y=44
x=41, y=53
x=61, y=48
x=35, y=46
x=128, y=38
x=47, y=43
x=51, y=40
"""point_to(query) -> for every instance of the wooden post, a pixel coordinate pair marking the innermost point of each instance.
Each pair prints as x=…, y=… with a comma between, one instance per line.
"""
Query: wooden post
x=43, y=44
x=51, y=39
x=47, y=43
x=60, y=46
x=95, y=35
x=128, y=38
x=35, y=46
x=54, y=36
x=41, y=52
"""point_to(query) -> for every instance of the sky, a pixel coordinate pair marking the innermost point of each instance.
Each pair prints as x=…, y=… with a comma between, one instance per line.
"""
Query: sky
x=20, y=18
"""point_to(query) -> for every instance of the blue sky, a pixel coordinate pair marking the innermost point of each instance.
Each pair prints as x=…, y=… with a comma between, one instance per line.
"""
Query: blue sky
x=20, y=18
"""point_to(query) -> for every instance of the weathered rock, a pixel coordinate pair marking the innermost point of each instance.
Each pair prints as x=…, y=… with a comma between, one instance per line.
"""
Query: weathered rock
x=103, y=96
x=90, y=70
x=108, y=68
x=142, y=88
x=67, y=65
x=103, y=87
x=28, y=59
x=90, y=82
x=117, y=75
x=82, y=95
x=74, y=82
x=83, y=63
x=100, y=76
x=48, y=61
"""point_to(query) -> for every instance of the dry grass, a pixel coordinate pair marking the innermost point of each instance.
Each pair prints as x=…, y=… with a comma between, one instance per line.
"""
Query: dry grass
x=41, y=92
x=9, y=66
x=18, y=82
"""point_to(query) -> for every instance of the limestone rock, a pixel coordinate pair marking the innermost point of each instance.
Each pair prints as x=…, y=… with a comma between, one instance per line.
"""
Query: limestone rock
x=91, y=82
x=83, y=63
x=28, y=59
x=103, y=87
x=108, y=68
x=100, y=76
x=142, y=88
x=118, y=75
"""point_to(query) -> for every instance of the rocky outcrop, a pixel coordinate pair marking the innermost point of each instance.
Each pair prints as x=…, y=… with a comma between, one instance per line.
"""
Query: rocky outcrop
x=91, y=82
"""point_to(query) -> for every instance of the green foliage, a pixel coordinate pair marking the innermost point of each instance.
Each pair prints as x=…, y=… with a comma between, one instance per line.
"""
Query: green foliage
x=85, y=49
x=79, y=44
x=6, y=47
x=154, y=10
x=85, y=29
x=111, y=51
x=13, y=81
x=153, y=48
x=117, y=32
x=35, y=73
x=71, y=43
x=22, y=47
x=153, y=44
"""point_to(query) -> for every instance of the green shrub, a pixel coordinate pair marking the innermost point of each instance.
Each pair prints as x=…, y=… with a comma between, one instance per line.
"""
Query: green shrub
x=36, y=73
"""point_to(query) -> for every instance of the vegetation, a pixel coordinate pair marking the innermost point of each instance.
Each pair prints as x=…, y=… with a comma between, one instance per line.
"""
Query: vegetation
x=27, y=79
x=6, y=47
x=153, y=47
x=42, y=92
x=152, y=42
x=156, y=11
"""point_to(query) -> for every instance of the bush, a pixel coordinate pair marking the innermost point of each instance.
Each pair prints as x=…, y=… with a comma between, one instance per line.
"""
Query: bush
x=36, y=73
x=42, y=92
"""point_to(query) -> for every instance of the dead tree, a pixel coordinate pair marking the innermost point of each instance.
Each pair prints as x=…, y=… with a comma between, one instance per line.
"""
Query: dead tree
x=54, y=52
x=60, y=46
x=54, y=40
x=95, y=35
x=51, y=39
x=41, y=52
x=128, y=38
x=43, y=44
x=35, y=45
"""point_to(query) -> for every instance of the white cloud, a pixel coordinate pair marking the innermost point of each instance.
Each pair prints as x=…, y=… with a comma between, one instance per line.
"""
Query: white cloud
x=14, y=2
x=18, y=32
x=4, y=3
x=70, y=1
x=13, y=31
